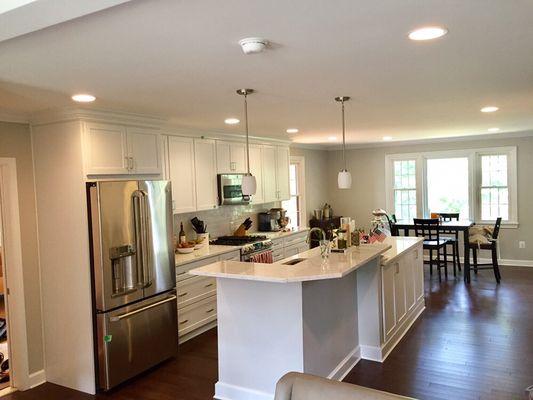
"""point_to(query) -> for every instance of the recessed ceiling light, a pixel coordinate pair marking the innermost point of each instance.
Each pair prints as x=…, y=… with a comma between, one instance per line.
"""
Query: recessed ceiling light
x=387, y=138
x=427, y=33
x=332, y=138
x=83, y=98
x=232, y=121
x=292, y=130
x=489, y=109
x=493, y=129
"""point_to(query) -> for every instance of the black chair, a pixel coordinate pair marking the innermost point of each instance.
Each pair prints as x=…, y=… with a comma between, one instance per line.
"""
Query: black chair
x=392, y=225
x=493, y=247
x=429, y=230
x=453, y=240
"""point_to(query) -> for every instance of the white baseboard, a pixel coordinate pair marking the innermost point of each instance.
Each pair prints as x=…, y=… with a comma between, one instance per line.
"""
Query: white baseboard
x=372, y=353
x=224, y=391
x=37, y=378
x=346, y=365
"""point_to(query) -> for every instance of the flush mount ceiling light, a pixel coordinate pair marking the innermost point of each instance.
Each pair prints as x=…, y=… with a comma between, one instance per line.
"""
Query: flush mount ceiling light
x=489, y=109
x=292, y=130
x=83, y=98
x=344, y=179
x=253, y=45
x=427, y=33
x=387, y=138
x=248, y=185
x=492, y=130
x=232, y=121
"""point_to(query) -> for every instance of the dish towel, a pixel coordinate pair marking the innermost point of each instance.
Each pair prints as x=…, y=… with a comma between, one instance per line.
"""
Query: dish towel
x=265, y=257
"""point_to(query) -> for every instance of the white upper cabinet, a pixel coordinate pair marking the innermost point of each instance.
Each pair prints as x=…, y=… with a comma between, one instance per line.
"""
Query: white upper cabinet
x=270, y=191
x=282, y=163
x=144, y=149
x=206, y=174
x=256, y=169
x=117, y=150
x=106, y=149
x=181, y=172
x=231, y=157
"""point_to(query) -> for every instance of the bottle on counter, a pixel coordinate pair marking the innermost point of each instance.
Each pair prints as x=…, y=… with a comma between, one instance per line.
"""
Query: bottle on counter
x=182, y=237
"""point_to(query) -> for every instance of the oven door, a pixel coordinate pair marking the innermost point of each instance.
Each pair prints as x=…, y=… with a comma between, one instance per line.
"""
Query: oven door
x=230, y=189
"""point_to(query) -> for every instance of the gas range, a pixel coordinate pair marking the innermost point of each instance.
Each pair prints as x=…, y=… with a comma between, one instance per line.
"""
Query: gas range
x=250, y=245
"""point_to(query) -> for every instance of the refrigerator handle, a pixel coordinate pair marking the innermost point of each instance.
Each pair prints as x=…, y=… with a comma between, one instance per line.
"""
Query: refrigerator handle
x=138, y=224
x=147, y=241
x=139, y=310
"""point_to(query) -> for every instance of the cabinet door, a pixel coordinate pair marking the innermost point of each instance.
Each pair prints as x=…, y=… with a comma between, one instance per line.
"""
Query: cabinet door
x=206, y=174
x=106, y=149
x=223, y=157
x=238, y=157
x=181, y=174
x=256, y=168
x=399, y=291
x=408, y=266
x=418, y=273
x=144, y=148
x=389, y=315
x=269, y=174
x=282, y=176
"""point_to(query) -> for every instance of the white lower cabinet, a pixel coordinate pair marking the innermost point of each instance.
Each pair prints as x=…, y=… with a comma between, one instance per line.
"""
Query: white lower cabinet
x=289, y=245
x=197, y=297
x=402, y=285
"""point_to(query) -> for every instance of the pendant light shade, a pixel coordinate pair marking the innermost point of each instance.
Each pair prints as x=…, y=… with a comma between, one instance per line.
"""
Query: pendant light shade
x=249, y=185
x=344, y=179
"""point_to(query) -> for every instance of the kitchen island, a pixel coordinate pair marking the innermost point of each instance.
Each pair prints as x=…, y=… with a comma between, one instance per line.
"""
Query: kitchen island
x=312, y=316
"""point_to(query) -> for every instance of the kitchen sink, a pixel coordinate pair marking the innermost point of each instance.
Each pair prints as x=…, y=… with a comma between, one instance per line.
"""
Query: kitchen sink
x=295, y=261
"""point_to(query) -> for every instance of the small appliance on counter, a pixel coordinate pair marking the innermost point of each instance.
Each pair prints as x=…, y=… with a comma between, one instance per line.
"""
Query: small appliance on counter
x=273, y=220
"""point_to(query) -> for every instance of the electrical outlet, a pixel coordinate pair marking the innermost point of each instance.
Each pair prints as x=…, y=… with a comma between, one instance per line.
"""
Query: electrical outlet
x=521, y=244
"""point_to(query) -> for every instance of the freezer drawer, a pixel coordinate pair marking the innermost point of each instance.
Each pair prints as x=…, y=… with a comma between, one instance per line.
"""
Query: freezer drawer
x=135, y=338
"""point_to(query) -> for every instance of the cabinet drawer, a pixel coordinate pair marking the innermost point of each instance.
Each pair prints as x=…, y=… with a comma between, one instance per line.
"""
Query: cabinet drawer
x=296, y=238
x=182, y=270
x=195, y=289
x=233, y=256
x=196, y=315
x=278, y=254
x=277, y=244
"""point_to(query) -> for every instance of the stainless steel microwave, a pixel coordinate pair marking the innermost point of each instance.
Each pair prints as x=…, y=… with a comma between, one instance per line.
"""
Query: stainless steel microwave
x=230, y=189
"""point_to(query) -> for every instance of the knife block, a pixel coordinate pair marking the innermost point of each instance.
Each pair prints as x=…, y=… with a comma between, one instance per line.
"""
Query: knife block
x=241, y=231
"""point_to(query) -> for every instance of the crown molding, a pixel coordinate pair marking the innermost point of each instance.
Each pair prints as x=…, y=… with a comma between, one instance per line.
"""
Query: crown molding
x=19, y=118
x=308, y=146
x=398, y=143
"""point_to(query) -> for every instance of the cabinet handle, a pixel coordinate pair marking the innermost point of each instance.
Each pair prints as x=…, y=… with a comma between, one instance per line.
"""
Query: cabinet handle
x=209, y=285
x=184, y=322
x=130, y=163
x=397, y=268
x=232, y=166
x=183, y=294
x=210, y=310
x=173, y=204
x=127, y=159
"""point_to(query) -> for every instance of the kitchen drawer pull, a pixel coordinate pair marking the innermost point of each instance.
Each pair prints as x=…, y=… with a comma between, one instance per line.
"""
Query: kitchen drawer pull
x=183, y=294
x=139, y=310
x=182, y=273
x=210, y=310
x=209, y=285
x=184, y=322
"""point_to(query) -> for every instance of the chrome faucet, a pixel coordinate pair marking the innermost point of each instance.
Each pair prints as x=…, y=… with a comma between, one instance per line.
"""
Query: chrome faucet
x=308, y=240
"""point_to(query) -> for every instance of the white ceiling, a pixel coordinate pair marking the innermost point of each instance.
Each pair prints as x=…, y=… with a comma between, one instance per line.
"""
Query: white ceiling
x=181, y=60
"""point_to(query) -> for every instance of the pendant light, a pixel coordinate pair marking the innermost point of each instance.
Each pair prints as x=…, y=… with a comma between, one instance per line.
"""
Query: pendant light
x=344, y=179
x=249, y=185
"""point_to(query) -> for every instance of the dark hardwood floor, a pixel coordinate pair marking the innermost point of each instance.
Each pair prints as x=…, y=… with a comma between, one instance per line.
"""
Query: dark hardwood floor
x=471, y=343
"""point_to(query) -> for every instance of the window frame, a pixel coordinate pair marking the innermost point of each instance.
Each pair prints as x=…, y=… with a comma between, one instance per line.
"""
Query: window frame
x=474, y=176
x=300, y=196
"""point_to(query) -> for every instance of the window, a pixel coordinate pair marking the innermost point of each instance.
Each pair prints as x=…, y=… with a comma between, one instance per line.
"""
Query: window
x=494, y=189
x=479, y=184
x=448, y=185
x=405, y=189
x=295, y=206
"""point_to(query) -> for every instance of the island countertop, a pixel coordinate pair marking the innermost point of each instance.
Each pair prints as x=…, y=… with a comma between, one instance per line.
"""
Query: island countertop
x=311, y=268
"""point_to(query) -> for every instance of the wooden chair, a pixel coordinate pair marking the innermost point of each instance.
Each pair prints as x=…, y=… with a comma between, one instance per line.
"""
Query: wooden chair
x=429, y=230
x=453, y=240
x=493, y=247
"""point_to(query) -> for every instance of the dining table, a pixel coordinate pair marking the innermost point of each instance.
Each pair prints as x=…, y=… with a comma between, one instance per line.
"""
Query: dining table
x=446, y=226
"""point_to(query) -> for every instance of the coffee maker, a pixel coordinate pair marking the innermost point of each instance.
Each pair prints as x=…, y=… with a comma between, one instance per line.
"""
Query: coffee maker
x=267, y=222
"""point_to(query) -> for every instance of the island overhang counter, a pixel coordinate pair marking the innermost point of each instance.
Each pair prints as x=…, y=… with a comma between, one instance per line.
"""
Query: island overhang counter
x=314, y=316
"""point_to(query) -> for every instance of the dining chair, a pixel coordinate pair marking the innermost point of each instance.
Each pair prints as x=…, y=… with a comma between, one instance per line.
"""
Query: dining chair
x=392, y=225
x=453, y=239
x=428, y=228
x=493, y=247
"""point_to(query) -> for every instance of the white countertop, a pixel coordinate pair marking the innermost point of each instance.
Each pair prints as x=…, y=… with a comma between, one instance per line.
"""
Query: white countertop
x=280, y=234
x=399, y=245
x=312, y=268
x=205, y=252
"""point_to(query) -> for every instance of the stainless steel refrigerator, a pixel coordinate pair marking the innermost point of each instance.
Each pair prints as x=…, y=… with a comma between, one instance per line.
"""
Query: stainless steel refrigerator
x=134, y=279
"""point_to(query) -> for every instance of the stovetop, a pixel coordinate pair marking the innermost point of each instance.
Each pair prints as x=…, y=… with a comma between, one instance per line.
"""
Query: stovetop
x=238, y=240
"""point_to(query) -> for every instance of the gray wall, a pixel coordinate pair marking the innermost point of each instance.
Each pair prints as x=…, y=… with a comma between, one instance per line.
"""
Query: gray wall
x=15, y=143
x=368, y=190
x=316, y=178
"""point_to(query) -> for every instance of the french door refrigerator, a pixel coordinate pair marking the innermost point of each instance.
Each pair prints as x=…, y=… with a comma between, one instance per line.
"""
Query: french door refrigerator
x=134, y=279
